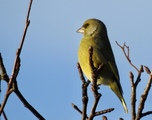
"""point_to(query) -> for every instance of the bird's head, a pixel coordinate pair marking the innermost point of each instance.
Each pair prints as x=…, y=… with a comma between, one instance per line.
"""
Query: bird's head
x=93, y=27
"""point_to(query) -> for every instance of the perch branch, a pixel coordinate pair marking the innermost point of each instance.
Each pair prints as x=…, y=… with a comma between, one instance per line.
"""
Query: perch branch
x=97, y=95
x=84, y=93
x=94, y=74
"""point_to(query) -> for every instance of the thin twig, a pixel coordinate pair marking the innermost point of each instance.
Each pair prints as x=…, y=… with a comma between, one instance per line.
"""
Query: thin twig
x=4, y=115
x=127, y=54
x=81, y=73
x=104, y=111
x=139, y=75
x=146, y=113
x=76, y=108
x=9, y=91
x=147, y=70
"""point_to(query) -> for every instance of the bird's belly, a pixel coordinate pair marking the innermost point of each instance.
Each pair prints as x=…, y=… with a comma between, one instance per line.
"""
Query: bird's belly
x=104, y=76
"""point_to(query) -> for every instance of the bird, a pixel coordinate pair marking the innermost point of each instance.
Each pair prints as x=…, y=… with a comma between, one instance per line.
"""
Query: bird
x=95, y=35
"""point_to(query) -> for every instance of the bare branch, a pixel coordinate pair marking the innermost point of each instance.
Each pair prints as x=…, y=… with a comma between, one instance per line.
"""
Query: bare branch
x=146, y=113
x=94, y=84
x=143, y=98
x=16, y=63
x=12, y=83
x=5, y=117
x=133, y=96
x=94, y=73
x=84, y=93
x=75, y=107
x=127, y=54
x=147, y=70
x=104, y=111
x=134, y=84
x=139, y=75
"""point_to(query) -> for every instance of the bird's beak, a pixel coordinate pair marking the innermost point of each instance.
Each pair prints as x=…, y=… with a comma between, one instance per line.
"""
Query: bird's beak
x=81, y=30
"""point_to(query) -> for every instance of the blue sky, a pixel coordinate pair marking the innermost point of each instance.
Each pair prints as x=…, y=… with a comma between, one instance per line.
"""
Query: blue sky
x=48, y=76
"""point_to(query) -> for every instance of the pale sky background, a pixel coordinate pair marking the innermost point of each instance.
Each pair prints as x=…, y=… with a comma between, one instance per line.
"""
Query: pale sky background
x=48, y=76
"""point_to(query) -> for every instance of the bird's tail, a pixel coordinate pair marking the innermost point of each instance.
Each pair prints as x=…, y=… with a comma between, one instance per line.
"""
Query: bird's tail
x=118, y=92
x=124, y=104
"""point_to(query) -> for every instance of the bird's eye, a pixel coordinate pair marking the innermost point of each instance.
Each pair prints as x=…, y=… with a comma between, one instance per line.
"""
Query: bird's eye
x=86, y=25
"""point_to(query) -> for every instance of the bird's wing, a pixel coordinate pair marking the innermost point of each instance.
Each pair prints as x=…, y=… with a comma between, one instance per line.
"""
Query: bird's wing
x=114, y=70
x=107, y=53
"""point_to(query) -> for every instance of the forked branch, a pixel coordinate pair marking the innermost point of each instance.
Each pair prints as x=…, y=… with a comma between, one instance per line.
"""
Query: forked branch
x=139, y=114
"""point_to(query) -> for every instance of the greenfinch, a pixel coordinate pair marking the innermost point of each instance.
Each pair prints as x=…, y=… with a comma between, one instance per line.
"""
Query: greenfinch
x=95, y=35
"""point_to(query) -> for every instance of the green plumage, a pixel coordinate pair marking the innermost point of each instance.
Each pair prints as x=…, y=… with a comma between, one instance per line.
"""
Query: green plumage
x=95, y=35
